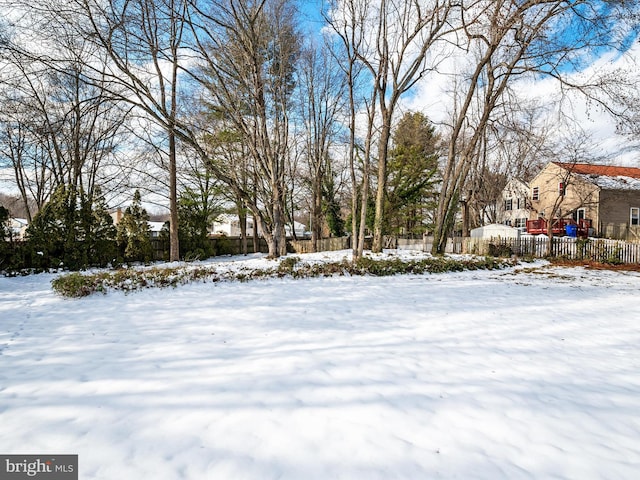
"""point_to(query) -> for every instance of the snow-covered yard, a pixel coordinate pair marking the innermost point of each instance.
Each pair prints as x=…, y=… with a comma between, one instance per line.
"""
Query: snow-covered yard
x=530, y=372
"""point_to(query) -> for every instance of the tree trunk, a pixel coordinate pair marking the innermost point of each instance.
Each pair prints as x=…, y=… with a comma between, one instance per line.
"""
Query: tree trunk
x=364, y=200
x=174, y=246
x=242, y=217
x=382, y=186
x=446, y=212
x=316, y=216
x=255, y=236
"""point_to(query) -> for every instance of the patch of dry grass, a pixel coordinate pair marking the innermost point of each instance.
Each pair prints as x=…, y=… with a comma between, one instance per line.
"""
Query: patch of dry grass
x=628, y=267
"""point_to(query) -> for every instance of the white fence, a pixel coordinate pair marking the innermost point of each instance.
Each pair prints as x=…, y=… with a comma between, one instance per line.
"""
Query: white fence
x=596, y=249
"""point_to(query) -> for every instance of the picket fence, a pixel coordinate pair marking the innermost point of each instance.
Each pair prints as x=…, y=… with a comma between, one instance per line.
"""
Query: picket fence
x=595, y=249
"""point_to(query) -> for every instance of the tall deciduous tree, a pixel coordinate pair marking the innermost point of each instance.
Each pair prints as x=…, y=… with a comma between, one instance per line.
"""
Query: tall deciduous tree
x=348, y=21
x=392, y=39
x=57, y=127
x=249, y=51
x=142, y=42
x=322, y=88
x=405, y=33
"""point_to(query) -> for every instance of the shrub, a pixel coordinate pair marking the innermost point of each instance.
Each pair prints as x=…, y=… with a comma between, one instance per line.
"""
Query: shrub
x=74, y=285
x=223, y=246
x=500, y=250
x=72, y=231
x=79, y=285
x=133, y=232
x=288, y=264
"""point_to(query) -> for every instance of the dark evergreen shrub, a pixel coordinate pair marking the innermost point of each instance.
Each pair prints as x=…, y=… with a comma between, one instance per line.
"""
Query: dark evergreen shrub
x=72, y=231
x=133, y=233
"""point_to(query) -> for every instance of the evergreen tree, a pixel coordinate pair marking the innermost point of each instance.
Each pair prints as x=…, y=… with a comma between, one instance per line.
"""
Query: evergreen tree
x=331, y=209
x=413, y=173
x=133, y=232
x=51, y=230
x=4, y=224
x=5, y=236
x=196, y=211
x=72, y=231
x=102, y=247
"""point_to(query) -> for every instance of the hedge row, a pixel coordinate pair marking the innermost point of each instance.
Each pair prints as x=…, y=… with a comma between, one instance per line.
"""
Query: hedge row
x=80, y=285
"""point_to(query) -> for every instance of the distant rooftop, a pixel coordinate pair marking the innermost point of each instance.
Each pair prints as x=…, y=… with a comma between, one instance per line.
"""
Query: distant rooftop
x=601, y=170
x=607, y=177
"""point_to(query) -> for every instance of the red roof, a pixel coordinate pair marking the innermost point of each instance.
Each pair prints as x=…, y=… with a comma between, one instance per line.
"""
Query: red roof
x=600, y=170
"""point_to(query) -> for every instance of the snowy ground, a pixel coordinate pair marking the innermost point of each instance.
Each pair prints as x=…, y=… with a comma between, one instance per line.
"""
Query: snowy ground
x=517, y=374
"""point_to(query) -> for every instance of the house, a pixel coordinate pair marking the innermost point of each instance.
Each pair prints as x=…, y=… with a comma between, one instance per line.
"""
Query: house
x=155, y=228
x=300, y=229
x=116, y=215
x=608, y=196
x=514, y=208
x=229, y=225
x=18, y=228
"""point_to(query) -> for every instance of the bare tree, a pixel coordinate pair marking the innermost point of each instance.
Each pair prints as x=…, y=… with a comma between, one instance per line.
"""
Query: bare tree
x=322, y=89
x=392, y=41
x=138, y=57
x=28, y=160
x=510, y=40
x=348, y=21
x=57, y=129
x=515, y=146
x=405, y=34
x=249, y=51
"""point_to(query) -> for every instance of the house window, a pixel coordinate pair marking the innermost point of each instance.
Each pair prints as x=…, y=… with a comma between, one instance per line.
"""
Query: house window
x=521, y=222
x=562, y=188
x=520, y=203
x=507, y=223
x=635, y=216
x=508, y=204
x=579, y=214
x=535, y=194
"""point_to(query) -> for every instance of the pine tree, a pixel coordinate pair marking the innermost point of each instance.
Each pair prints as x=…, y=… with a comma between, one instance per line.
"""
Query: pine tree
x=133, y=232
x=4, y=224
x=73, y=230
x=102, y=246
x=413, y=174
x=48, y=234
x=196, y=212
x=5, y=236
x=331, y=209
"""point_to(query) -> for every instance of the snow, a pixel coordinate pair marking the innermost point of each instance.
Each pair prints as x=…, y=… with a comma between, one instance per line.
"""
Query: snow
x=526, y=373
x=612, y=183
